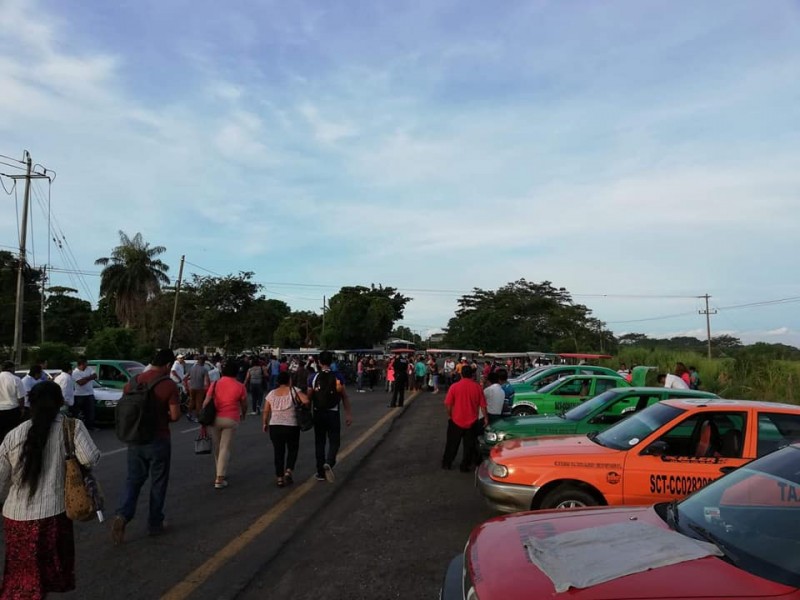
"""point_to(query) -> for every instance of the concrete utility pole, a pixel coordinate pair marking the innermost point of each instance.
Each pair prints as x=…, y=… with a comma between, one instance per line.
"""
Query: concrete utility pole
x=175, y=307
x=23, y=241
x=708, y=314
x=324, y=306
x=41, y=315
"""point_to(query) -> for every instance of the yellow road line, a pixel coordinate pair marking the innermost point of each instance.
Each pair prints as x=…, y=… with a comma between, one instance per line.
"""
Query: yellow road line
x=197, y=577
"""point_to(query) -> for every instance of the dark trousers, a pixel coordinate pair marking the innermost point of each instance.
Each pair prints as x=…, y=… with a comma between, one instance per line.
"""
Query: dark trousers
x=9, y=419
x=147, y=460
x=469, y=457
x=327, y=428
x=256, y=395
x=85, y=405
x=285, y=438
x=399, y=393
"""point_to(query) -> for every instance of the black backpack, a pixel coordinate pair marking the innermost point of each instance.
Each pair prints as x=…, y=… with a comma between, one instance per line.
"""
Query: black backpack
x=324, y=395
x=135, y=418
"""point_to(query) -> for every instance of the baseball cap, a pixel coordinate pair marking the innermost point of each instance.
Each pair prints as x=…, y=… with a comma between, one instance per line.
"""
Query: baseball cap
x=180, y=356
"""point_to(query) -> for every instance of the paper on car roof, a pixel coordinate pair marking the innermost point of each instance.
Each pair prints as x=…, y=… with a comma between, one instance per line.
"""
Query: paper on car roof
x=586, y=557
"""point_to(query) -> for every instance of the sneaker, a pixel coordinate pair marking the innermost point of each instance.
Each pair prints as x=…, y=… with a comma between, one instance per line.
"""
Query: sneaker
x=221, y=483
x=329, y=476
x=190, y=418
x=118, y=530
x=319, y=477
x=155, y=531
x=252, y=412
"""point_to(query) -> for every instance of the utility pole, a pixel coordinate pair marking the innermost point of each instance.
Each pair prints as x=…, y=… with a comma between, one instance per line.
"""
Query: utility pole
x=41, y=315
x=324, y=307
x=708, y=314
x=175, y=307
x=23, y=241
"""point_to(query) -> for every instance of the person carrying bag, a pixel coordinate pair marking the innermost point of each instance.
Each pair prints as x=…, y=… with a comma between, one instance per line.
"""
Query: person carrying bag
x=286, y=411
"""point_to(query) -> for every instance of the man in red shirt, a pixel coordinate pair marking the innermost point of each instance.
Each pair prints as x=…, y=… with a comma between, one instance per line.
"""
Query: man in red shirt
x=463, y=402
x=151, y=460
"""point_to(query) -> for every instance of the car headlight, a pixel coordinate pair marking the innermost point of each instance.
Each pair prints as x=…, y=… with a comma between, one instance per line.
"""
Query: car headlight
x=501, y=435
x=490, y=436
x=498, y=471
x=110, y=403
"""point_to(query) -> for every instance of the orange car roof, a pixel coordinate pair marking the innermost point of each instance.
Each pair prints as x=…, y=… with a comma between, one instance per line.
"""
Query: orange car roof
x=693, y=403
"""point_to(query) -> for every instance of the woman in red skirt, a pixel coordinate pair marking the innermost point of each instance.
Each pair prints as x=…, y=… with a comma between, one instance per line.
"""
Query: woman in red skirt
x=40, y=546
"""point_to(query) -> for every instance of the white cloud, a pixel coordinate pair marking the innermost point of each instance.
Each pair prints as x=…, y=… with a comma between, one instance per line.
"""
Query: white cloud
x=325, y=131
x=780, y=331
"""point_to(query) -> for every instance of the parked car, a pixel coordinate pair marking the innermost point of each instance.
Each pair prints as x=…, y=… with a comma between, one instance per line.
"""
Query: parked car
x=564, y=394
x=751, y=517
x=105, y=398
x=596, y=414
x=664, y=452
x=538, y=377
x=115, y=373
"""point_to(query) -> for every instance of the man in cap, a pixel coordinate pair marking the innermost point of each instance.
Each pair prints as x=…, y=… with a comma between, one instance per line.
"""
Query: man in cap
x=151, y=460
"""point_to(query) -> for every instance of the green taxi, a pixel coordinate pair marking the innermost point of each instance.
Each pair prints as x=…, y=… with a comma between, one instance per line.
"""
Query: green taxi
x=593, y=415
x=537, y=378
x=564, y=394
x=115, y=373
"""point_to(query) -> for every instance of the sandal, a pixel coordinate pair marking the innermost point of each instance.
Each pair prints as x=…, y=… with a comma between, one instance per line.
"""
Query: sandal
x=281, y=482
x=287, y=477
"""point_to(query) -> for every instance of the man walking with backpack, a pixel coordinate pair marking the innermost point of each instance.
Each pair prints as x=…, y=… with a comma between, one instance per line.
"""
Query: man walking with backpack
x=326, y=390
x=148, y=405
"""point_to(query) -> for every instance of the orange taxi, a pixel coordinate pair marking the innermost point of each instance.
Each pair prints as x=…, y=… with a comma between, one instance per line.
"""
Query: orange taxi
x=664, y=452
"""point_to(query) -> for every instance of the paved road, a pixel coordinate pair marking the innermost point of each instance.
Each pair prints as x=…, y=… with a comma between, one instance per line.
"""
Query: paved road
x=385, y=529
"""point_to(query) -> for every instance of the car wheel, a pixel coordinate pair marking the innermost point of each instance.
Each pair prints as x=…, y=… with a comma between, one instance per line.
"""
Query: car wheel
x=568, y=496
x=522, y=411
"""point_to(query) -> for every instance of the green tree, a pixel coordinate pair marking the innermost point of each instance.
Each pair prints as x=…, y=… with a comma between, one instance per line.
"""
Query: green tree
x=66, y=318
x=261, y=320
x=301, y=329
x=111, y=343
x=223, y=303
x=404, y=333
x=524, y=316
x=31, y=278
x=131, y=276
x=359, y=316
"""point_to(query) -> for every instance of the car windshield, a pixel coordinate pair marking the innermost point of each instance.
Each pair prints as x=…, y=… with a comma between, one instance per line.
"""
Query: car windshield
x=582, y=411
x=626, y=434
x=753, y=516
x=133, y=368
x=528, y=374
x=550, y=386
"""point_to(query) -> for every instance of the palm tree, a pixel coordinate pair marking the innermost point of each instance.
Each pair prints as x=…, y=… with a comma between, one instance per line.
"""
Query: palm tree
x=131, y=276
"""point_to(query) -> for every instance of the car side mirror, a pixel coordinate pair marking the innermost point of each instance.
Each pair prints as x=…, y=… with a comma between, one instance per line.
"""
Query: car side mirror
x=657, y=448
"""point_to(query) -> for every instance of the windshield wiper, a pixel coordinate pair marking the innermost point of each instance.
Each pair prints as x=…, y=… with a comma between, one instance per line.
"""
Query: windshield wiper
x=710, y=537
x=672, y=515
x=592, y=435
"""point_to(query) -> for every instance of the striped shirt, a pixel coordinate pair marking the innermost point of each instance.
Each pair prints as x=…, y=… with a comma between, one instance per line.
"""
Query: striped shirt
x=48, y=500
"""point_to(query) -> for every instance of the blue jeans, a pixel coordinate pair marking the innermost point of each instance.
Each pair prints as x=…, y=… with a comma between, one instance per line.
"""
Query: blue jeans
x=273, y=382
x=147, y=460
x=85, y=405
x=257, y=396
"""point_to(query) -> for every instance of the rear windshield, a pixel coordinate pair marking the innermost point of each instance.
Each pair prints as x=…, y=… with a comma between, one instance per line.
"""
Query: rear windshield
x=133, y=368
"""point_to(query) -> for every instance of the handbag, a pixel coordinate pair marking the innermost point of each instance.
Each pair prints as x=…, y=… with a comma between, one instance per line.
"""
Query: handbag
x=305, y=420
x=203, y=444
x=208, y=413
x=82, y=495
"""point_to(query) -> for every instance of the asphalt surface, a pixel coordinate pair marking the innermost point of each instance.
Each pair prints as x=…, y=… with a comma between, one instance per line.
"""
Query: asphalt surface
x=385, y=529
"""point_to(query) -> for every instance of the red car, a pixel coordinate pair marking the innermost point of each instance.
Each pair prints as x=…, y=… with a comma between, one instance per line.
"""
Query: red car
x=750, y=518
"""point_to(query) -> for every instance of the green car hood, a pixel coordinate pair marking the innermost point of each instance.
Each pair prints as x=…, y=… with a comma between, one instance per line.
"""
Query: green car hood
x=534, y=425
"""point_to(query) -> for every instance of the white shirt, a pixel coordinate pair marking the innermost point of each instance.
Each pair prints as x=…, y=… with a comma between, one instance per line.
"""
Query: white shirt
x=11, y=390
x=177, y=372
x=675, y=382
x=67, y=387
x=86, y=389
x=495, y=398
x=214, y=375
x=48, y=500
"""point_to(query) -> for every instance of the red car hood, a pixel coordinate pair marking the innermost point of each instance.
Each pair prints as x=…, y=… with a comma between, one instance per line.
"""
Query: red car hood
x=572, y=445
x=500, y=569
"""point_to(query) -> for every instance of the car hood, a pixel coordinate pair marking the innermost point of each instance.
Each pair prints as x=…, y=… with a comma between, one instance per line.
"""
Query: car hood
x=572, y=445
x=500, y=568
x=531, y=423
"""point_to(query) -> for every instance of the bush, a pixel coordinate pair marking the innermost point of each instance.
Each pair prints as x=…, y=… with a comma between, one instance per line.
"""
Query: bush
x=56, y=354
x=144, y=353
x=111, y=343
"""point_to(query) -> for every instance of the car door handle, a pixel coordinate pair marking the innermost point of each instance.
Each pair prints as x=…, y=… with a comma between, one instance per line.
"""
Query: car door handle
x=726, y=470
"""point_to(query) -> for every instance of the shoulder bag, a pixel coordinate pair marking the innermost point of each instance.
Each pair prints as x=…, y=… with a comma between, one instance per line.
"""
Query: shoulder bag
x=208, y=413
x=304, y=418
x=203, y=444
x=82, y=496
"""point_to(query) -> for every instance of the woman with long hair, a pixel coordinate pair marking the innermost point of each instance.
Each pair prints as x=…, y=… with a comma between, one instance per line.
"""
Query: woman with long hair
x=230, y=398
x=40, y=545
x=280, y=421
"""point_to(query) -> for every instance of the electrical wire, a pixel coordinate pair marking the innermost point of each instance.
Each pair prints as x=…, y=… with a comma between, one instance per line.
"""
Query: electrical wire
x=5, y=189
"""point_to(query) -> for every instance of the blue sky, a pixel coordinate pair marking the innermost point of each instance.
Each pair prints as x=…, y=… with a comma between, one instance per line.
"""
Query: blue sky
x=620, y=148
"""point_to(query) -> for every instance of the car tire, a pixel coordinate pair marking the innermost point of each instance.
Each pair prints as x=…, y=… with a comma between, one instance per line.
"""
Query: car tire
x=522, y=411
x=568, y=496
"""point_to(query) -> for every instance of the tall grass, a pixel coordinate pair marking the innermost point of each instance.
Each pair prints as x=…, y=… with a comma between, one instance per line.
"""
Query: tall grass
x=745, y=377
